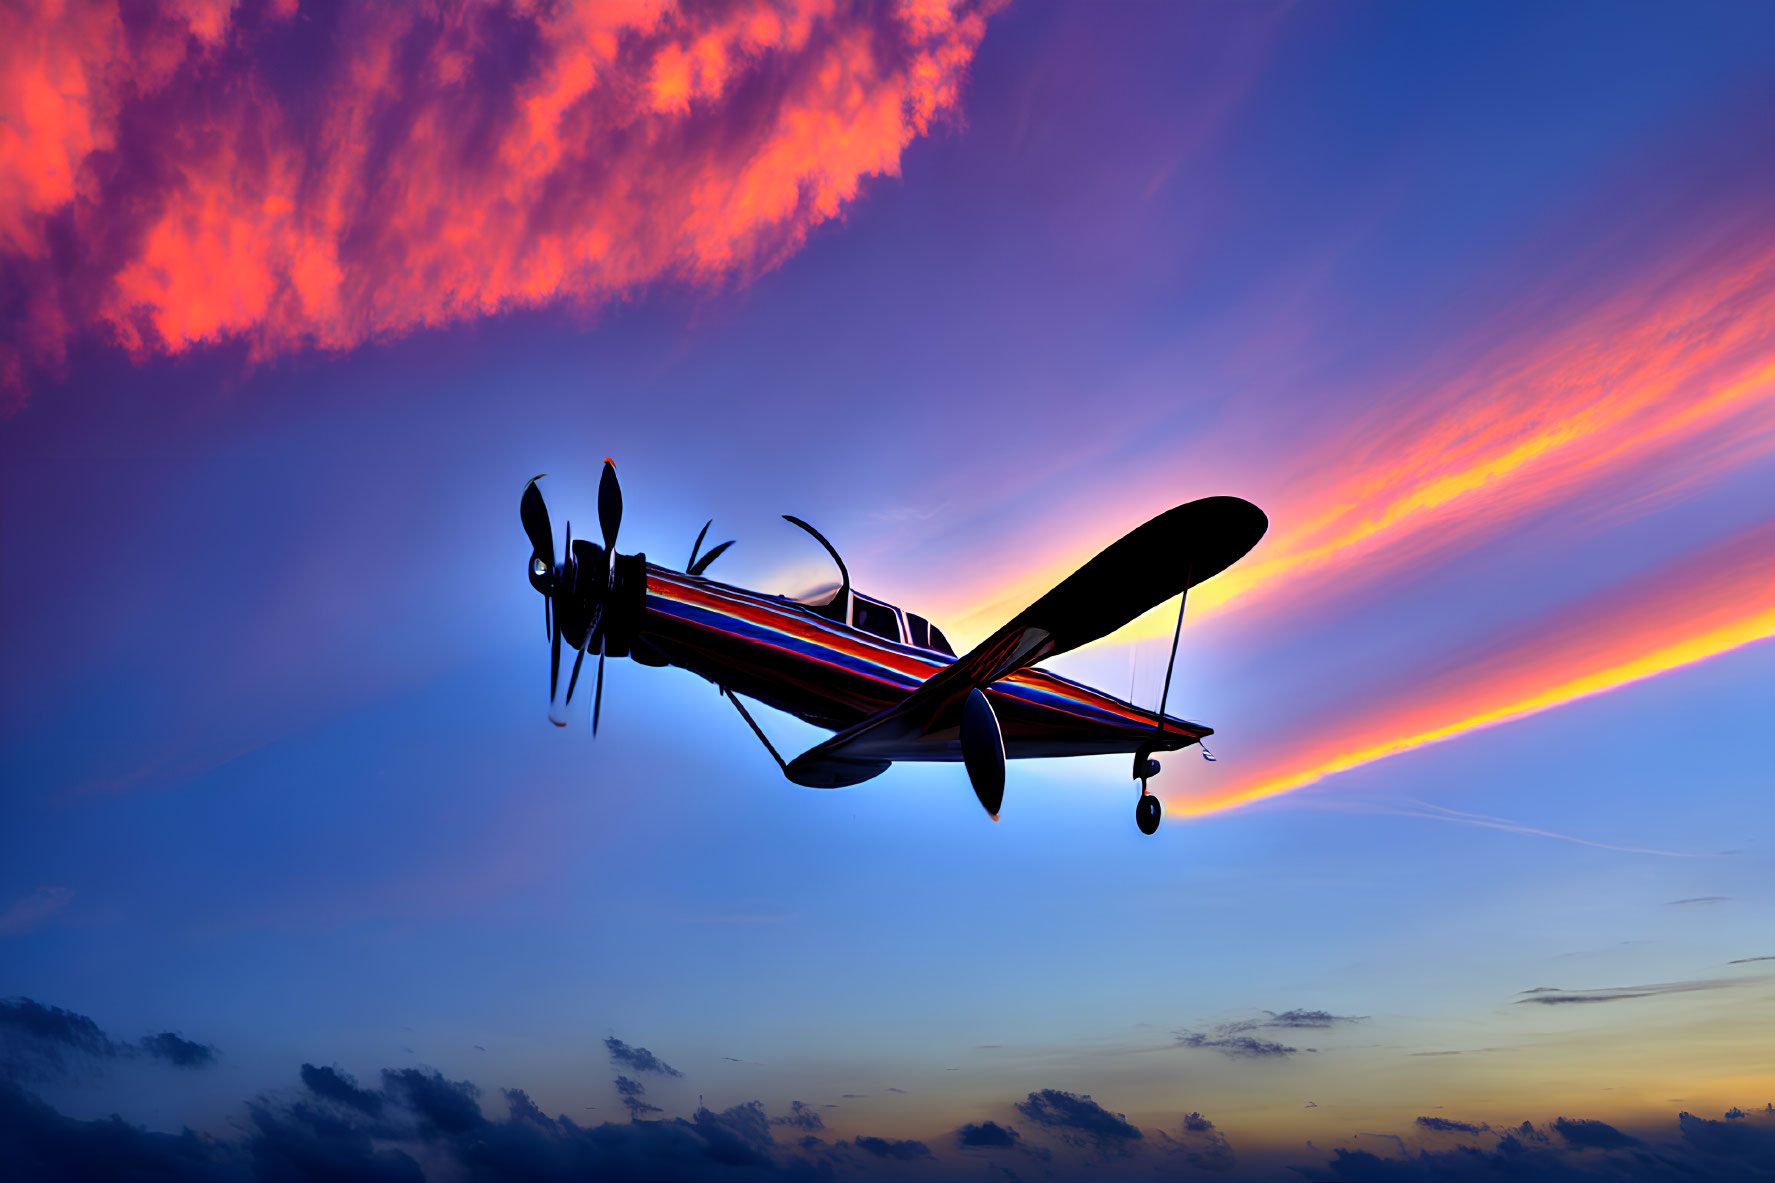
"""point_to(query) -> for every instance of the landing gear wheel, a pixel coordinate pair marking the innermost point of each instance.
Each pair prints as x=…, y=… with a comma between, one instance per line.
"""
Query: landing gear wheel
x=1146, y=813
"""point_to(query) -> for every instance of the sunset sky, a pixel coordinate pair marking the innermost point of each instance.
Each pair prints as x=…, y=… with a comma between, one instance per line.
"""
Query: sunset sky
x=1476, y=301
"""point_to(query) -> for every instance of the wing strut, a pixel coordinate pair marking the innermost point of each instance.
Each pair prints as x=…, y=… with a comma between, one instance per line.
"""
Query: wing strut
x=1176, y=633
x=756, y=730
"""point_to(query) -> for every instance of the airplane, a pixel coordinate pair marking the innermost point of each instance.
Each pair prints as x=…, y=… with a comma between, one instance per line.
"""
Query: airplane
x=885, y=681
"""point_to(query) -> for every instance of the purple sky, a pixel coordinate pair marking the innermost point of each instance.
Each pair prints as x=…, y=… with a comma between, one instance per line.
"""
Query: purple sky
x=1475, y=302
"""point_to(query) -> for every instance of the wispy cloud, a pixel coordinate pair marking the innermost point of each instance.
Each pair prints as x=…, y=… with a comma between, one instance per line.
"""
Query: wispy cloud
x=1235, y=1039
x=34, y=909
x=1441, y=813
x=1553, y=996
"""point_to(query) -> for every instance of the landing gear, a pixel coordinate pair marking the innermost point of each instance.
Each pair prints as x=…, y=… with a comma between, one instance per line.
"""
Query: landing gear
x=1146, y=809
x=1146, y=812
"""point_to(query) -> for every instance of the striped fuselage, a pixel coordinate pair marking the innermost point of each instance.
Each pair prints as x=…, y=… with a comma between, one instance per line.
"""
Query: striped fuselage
x=777, y=651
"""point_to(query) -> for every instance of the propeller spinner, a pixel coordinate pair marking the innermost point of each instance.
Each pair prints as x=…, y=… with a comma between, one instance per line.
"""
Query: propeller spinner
x=577, y=590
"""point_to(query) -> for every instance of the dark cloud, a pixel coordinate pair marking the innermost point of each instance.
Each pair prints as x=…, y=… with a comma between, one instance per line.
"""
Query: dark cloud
x=1699, y=899
x=328, y=1131
x=1748, y=960
x=1738, y=1142
x=1200, y=1145
x=446, y=1106
x=178, y=1051
x=906, y=1150
x=1585, y=1152
x=38, y=1042
x=1077, y=1119
x=1239, y=1047
x=1586, y=1132
x=638, y=1058
x=1444, y=1125
x=736, y=1137
x=416, y=1125
x=632, y=1093
x=38, y=1143
x=1234, y=1039
x=1303, y=1018
x=987, y=1133
x=802, y=1116
x=330, y=1084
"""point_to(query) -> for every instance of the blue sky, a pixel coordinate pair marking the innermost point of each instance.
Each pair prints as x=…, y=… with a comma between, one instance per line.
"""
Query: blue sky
x=1474, y=301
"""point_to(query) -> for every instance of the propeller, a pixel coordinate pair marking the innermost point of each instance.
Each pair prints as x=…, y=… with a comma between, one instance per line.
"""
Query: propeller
x=695, y=567
x=609, y=521
x=564, y=598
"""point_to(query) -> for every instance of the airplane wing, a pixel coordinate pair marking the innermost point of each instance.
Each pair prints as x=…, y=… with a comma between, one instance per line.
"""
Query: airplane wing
x=1145, y=567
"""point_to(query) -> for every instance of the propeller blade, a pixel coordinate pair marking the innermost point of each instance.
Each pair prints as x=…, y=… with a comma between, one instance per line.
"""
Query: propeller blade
x=714, y=553
x=573, y=678
x=548, y=617
x=698, y=545
x=555, y=674
x=535, y=516
x=598, y=694
x=609, y=505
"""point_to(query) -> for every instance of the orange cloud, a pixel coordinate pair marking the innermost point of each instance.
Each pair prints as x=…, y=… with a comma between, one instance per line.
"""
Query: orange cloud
x=1697, y=607
x=194, y=172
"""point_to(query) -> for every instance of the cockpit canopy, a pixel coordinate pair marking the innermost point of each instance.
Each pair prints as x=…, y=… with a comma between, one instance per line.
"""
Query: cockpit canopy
x=880, y=618
x=847, y=606
x=889, y=623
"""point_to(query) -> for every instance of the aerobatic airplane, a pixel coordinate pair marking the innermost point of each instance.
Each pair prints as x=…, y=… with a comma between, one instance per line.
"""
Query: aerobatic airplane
x=886, y=681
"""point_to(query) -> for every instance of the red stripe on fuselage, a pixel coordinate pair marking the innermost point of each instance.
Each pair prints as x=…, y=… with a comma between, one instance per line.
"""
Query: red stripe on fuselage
x=834, y=675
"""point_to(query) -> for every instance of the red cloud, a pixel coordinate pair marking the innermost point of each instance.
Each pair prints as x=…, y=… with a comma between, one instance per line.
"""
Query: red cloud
x=194, y=171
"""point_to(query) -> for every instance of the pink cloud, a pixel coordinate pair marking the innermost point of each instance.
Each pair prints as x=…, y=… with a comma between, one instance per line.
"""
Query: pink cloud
x=192, y=172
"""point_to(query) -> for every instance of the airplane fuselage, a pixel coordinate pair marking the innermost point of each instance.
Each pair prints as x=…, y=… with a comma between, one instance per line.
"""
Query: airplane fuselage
x=782, y=653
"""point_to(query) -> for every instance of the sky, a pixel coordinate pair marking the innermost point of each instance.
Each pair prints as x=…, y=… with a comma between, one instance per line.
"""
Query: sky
x=1476, y=301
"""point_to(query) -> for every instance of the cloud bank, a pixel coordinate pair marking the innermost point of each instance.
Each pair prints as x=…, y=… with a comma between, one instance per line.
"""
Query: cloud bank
x=417, y=1124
